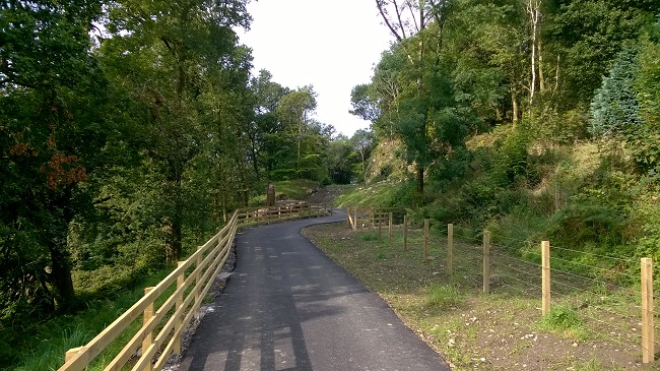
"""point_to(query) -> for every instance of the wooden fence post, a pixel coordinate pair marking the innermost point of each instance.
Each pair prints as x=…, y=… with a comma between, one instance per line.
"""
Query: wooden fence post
x=198, y=277
x=450, y=249
x=380, y=226
x=405, y=232
x=426, y=239
x=373, y=218
x=179, y=303
x=545, y=276
x=149, y=337
x=355, y=219
x=348, y=217
x=391, y=228
x=648, y=348
x=486, y=270
x=279, y=212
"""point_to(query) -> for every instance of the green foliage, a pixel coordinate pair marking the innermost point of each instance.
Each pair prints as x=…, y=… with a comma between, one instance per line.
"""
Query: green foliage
x=341, y=161
x=381, y=194
x=564, y=320
x=369, y=237
x=615, y=107
x=445, y=296
x=122, y=152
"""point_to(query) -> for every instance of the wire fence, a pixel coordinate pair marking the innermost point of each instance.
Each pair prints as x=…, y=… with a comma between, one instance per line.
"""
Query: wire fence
x=604, y=291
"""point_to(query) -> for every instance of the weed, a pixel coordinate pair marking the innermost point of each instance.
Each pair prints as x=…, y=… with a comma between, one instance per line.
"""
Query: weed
x=369, y=237
x=564, y=321
x=445, y=296
x=592, y=365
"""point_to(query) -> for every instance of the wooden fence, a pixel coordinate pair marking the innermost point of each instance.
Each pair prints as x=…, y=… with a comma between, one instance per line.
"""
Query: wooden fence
x=176, y=311
x=374, y=218
x=267, y=215
x=191, y=281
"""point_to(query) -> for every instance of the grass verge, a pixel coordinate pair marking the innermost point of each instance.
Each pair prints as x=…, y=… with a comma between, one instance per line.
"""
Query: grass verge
x=503, y=330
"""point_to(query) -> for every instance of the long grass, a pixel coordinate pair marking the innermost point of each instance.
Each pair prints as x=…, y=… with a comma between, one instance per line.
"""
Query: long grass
x=41, y=345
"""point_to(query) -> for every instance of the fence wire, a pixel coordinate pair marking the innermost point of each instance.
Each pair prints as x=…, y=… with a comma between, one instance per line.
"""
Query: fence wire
x=603, y=290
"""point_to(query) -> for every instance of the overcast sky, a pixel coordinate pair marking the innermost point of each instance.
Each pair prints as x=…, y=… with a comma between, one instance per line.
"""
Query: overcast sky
x=331, y=44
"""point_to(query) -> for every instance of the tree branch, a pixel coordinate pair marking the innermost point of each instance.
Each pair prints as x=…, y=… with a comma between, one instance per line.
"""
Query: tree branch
x=398, y=16
x=379, y=4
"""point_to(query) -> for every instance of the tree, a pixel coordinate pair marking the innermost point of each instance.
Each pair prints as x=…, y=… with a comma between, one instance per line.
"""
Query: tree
x=341, y=158
x=295, y=110
x=615, y=107
x=182, y=61
x=365, y=106
x=363, y=142
x=266, y=124
x=51, y=95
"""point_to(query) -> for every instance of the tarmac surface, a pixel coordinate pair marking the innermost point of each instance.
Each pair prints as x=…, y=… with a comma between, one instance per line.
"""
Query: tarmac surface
x=289, y=307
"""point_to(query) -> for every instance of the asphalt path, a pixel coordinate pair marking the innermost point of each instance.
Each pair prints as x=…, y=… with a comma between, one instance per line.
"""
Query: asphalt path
x=289, y=307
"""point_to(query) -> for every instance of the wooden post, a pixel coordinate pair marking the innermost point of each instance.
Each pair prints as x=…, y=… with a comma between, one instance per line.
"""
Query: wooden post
x=648, y=348
x=391, y=228
x=486, y=272
x=405, y=232
x=279, y=212
x=426, y=239
x=72, y=353
x=355, y=219
x=450, y=249
x=380, y=228
x=149, y=337
x=348, y=218
x=198, y=277
x=545, y=276
x=179, y=303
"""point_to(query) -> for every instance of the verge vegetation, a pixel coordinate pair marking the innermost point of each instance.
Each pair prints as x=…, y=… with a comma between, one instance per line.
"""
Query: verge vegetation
x=503, y=330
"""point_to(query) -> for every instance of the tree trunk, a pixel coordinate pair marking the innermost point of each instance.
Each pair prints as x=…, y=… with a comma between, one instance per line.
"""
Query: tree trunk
x=420, y=180
x=514, y=101
x=532, y=87
x=60, y=276
x=173, y=236
x=557, y=73
x=533, y=11
x=541, y=77
x=364, y=168
x=173, y=224
x=298, y=155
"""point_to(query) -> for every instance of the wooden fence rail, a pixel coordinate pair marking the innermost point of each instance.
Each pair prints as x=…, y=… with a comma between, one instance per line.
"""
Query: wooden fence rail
x=177, y=311
x=162, y=327
x=283, y=212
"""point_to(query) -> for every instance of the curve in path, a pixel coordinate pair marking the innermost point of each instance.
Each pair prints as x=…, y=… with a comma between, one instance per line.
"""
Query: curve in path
x=289, y=307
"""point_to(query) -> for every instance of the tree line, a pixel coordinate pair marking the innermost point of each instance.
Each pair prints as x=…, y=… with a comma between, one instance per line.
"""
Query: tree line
x=559, y=70
x=127, y=128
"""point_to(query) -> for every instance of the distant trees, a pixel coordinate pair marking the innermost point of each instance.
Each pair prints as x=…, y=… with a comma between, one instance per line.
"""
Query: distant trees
x=459, y=67
x=126, y=130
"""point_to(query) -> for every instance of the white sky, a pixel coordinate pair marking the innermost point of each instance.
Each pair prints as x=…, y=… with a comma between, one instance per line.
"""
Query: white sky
x=331, y=44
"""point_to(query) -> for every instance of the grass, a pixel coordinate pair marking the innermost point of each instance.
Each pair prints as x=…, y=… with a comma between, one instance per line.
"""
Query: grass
x=297, y=189
x=445, y=296
x=42, y=345
x=565, y=321
x=381, y=194
x=498, y=331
